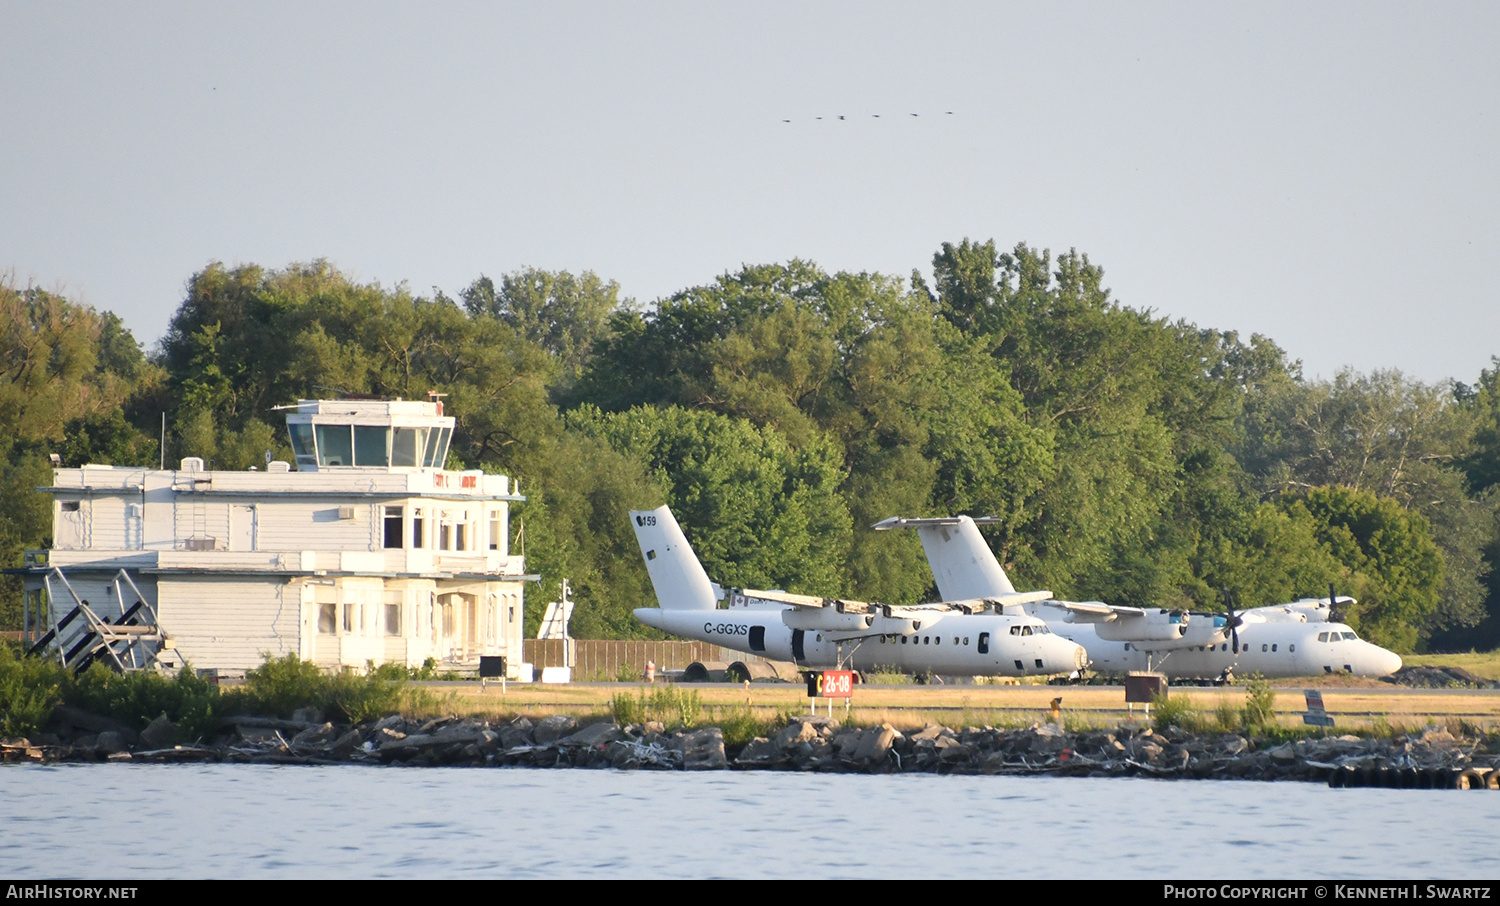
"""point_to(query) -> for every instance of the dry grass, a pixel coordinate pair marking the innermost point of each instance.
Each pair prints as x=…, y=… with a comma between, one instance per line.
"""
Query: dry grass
x=912, y=707
x=1480, y=663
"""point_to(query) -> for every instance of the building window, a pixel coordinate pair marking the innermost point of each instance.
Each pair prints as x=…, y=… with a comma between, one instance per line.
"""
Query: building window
x=392, y=608
x=418, y=527
x=394, y=539
x=497, y=534
x=445, y=530
x=327, y=618
x=461, y=535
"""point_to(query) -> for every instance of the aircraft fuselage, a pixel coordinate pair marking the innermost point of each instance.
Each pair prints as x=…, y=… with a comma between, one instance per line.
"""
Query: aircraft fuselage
x=1270, y=649
x=946, y=643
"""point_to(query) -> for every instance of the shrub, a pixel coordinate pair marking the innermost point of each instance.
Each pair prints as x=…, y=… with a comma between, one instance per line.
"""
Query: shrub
x=668, y=704
x=740, y=725
x=1167, y=712
x=282, y=685
x=376, y=694
x=1259, y=713
x=628, y=709
x=138, y=698
x=29, y=689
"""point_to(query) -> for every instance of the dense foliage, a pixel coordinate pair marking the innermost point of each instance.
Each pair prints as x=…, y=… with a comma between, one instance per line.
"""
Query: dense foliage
x=780, y=410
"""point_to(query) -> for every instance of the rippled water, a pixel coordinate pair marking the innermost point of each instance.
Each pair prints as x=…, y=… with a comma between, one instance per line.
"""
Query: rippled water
x=148, y=821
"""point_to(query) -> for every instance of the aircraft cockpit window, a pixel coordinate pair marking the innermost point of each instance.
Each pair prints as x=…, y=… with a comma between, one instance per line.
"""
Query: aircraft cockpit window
x=1025, y=630
x=1015, y=630
x=1322, y=636
x=1349, y=636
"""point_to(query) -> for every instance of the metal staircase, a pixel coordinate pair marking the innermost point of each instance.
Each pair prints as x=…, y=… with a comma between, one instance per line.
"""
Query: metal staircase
x=80, y=636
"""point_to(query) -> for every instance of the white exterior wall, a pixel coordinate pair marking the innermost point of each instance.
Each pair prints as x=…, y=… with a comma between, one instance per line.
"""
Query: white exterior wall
x=229, y=623
x=240, y=564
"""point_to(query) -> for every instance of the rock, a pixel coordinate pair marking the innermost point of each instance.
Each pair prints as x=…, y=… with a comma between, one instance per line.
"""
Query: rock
x=159, y=734
x=702, y=750
x=874, y=744
x=553, y=728
x=593, y=736
x=314, y=737
x=110, y=743
x=796, y=732
x=760, y=752
x=1438, y=738
x=517, y=733
x=346, y=745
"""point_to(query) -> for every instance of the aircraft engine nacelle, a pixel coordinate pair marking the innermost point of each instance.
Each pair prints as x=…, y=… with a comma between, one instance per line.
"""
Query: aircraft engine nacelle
x=895, y=626
x=1155, y=626
x=1200, y=632
x=826, y=619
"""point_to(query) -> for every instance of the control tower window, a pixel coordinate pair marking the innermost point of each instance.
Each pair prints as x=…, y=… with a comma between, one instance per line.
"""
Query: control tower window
x=437, y=448
x=302, y=443
x=335, y=446
x=407, y=445
x=370, y=445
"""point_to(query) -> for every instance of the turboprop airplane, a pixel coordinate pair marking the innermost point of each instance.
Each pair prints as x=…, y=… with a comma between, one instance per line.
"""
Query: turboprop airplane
x=1295, y=639
x=989, y=636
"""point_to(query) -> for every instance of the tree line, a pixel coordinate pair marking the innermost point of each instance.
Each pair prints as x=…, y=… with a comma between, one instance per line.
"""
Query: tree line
x=780, y=410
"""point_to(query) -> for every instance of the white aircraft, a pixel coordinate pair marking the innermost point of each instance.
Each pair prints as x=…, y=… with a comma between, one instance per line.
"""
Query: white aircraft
x=991, y=636
x=1294, y=639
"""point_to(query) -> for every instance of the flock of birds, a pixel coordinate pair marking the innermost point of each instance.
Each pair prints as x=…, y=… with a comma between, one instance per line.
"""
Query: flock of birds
x=874, y=115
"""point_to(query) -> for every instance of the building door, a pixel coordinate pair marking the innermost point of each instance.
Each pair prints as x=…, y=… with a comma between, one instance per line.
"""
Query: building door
x=242, y=527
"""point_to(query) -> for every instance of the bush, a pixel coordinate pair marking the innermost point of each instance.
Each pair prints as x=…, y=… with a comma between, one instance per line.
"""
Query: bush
x=29, y=689
x=376, y=694
x=188, y=701
x=1167, y=712
x=740, y=725
x=670, y=705
x=282, y=685
x=1259, y=713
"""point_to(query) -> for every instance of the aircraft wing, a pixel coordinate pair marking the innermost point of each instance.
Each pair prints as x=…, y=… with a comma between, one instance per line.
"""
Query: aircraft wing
x=1097, y=611
x=742, y=596
x=756, y=596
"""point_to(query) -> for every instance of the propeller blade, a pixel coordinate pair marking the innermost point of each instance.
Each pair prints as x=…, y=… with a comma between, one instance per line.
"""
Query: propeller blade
x=1232, y=621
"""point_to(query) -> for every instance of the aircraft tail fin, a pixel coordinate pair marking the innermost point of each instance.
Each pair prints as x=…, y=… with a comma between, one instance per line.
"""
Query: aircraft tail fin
x=676, y=574
x=961, y=561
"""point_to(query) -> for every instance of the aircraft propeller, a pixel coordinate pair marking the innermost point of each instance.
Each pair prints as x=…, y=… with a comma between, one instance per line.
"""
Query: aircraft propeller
x=1232, y=621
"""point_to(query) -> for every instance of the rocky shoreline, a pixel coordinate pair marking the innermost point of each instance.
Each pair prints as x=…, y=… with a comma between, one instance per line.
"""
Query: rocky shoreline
x=1434, y=758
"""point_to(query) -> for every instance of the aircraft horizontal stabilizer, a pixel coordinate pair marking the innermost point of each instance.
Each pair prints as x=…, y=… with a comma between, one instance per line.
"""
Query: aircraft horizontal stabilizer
x=896, y=522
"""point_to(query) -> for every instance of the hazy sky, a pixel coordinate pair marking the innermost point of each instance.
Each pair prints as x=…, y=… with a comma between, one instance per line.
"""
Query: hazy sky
x=1323, y=173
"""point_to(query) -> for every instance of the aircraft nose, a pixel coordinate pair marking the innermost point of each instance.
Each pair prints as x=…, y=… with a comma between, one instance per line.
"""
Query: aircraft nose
x=1078, y=656
x=1387, y=662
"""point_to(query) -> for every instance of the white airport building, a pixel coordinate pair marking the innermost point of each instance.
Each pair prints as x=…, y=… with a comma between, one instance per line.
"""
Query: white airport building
x=368, y=551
